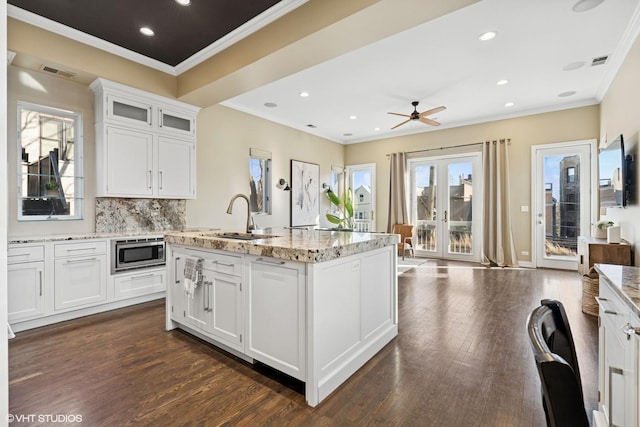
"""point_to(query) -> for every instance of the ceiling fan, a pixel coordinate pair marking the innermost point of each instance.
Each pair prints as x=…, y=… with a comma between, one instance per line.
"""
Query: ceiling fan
x=419, y=116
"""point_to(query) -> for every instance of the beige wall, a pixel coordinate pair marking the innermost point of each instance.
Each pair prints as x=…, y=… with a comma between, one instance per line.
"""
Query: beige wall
x=43, y=89
x=563, y=126
x=619, y=114
x=224, y=139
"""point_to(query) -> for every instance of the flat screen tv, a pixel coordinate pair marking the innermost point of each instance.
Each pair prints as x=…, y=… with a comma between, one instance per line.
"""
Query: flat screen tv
x=614, y=186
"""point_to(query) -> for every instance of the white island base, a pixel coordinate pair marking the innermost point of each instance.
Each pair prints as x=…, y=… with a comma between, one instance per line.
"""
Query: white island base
x=318, y=322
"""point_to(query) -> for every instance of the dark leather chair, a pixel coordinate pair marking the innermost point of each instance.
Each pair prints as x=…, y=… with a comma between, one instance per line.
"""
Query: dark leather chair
x=557, y=363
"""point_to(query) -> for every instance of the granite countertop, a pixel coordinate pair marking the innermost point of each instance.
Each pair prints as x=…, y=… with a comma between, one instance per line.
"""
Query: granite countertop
x=626, y=283
x=84, y=236
x=309, y=246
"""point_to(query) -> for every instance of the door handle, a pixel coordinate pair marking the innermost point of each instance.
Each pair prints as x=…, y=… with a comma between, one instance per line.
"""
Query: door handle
x=445, y=217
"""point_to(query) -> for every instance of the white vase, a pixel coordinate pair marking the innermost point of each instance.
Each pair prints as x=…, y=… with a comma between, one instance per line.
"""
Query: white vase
x=599, y=233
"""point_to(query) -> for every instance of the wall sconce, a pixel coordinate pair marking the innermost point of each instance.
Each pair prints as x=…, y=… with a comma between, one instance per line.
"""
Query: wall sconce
x=283, y=185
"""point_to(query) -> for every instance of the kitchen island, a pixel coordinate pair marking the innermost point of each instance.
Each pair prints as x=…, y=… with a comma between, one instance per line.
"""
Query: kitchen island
x=315, y=305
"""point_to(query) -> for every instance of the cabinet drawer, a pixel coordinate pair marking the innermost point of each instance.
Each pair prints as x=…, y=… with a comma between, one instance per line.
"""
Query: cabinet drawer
x=612, y=309
x=89, y=247
x=137, y=284
x=222, y=263
x=227, y=264
x=17, y=254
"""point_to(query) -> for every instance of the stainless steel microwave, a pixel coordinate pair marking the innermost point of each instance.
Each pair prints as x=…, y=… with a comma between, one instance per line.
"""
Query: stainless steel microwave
x=133, y=254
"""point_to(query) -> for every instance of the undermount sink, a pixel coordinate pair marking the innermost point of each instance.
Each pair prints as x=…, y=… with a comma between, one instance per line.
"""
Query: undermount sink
x=243, y=236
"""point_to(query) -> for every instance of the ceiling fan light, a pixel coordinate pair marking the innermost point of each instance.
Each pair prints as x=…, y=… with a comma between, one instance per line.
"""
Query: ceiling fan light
x=183, y=2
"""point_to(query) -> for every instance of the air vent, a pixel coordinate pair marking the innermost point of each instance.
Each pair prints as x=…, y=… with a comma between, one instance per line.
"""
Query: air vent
x=61, y=73
x=599, y=60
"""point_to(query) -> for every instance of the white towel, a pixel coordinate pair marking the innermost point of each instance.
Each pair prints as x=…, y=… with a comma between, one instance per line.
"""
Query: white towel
x=192, y=275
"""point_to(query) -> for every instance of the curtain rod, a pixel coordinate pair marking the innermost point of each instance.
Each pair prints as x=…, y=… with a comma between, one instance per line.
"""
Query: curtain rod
x=507, y=140
x=441, y=148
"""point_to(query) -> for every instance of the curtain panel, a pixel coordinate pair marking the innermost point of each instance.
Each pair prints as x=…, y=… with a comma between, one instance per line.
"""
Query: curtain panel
x=397, y=191
x=498, y=247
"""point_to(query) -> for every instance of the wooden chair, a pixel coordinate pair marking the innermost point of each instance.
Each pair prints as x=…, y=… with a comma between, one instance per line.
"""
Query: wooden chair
x=406, y=238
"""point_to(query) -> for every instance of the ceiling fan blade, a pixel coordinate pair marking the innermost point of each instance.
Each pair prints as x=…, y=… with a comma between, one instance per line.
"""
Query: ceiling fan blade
x=398, y=114
x=429, y=121
x=400, y=124
x=432, y=111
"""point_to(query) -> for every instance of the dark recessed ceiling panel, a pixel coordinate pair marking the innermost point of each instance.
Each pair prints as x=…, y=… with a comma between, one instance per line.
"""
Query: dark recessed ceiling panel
x=180, y=31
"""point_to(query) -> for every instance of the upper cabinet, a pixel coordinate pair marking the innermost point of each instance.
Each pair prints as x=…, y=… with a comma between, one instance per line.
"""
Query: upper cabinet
x=145, y=144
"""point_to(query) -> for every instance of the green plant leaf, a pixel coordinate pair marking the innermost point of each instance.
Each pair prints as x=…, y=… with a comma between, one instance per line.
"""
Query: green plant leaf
x=334, y=219
x=333, y=198
x=348, y=203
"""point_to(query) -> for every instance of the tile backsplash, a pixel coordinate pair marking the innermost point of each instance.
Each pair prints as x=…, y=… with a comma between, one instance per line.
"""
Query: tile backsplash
x=115, y=215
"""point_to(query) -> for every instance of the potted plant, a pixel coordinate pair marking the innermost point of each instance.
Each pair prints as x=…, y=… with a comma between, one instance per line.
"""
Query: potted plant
x=51, y=188
x=600, y=228
x=343, y=216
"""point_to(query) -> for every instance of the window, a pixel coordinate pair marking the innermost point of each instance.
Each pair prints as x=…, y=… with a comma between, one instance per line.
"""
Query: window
x=50, y=163
x=571, y=175
x=260, y=181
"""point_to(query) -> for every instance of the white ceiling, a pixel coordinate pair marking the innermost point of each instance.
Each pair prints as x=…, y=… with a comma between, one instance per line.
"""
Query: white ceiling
x=442, y=62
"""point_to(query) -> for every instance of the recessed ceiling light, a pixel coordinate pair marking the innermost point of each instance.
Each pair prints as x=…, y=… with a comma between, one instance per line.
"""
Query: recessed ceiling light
x=573, y=66
x=183, y=2
x=303, y=94
x=509, y=104
x=502, y=82
x=584, y=5
x=353, y=117
x=567, y=93
x=487, y=35
x=270, y=104
x=376, y=129
x=147, y=31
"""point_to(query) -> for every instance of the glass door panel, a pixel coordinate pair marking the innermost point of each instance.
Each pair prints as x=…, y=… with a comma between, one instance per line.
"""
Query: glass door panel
x=460, y=209
x=362, y=179
x=443, y=215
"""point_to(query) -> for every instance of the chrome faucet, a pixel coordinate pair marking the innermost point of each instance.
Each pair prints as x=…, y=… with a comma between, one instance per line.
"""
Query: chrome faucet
x=250, y=224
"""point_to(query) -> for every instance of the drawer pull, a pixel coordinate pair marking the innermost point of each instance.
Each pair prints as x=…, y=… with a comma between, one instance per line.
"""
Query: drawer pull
x=75, y=261
x=223, y=264
x=175, y=269
x=605, y=310
x=268, y=261
x=146, y=276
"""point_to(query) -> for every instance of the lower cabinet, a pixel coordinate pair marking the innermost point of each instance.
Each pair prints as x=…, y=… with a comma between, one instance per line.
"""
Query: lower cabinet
x=128, y=285
x=80, y=274
x=276, y=318
x=25, y=289
x=215, y=307
x=54, y=281
x=619, y=353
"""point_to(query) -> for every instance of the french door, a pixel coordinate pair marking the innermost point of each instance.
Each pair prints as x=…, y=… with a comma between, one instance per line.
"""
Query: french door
x=446, y=194
x=362, y=180
x=562, y=201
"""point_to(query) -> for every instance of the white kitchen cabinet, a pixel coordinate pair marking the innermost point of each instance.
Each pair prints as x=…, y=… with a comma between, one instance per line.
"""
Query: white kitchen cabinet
x=275, y=304
x=176, y=304
x=619, y=352
x=145, y=144
x=215, y=308
x=25, y=283
x=131, y=154
x=80, y=274
x=128, y=111
x=133, y=284
x=176, y=172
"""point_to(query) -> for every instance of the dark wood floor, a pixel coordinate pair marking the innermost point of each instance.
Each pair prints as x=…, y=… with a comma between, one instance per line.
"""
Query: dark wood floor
x=462, y=358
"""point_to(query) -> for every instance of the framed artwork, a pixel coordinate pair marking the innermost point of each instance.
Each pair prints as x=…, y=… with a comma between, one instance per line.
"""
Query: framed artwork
x=305, y=193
